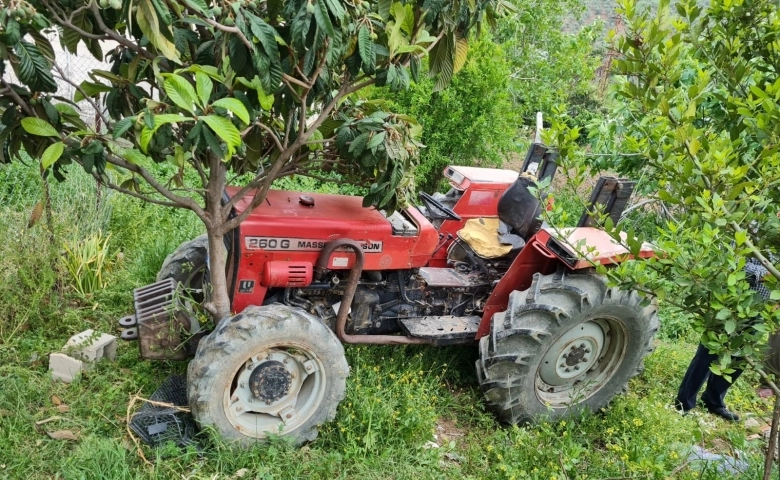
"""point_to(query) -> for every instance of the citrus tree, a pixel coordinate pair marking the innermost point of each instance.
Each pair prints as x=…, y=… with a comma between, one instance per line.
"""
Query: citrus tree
x=697, y=119
x=255, y=88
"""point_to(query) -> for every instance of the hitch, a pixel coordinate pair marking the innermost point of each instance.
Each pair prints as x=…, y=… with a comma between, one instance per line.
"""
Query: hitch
x=163, y=322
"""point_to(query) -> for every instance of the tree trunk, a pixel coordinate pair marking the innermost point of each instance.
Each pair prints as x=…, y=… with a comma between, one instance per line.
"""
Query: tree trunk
x=772, y=443
x=219, y=299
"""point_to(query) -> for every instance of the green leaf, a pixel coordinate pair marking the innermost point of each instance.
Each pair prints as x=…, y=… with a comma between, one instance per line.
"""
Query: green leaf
x=198, y=5
x=147, y=19
x=270, y=73
x=775, y=295
x=266, y=35
x=740, y=237
x=180, y=91
x=358, y=144
x=204, y=85
x=442, y=61
x=336, y=9
x=38, y=126
x=383, y=7
x=52, y=154
x=158, y=121
x=414, y=67
x=163, y=14
x=135, y=157
x=395, y=29
x=225, y=130
x=730, y=326
x=212, y=142
x=12, y=32
x=91, y=89
x=461, y=53
x=376, y=140
x=145, y=138
x=235, y=106
x=44, y=46
x=166, y=118
x=122, y=126
x=323, y=18
x=33, y=69
x=366, y=49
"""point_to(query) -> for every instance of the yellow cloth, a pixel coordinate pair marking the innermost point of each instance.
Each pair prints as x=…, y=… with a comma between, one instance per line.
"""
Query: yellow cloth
x=482, y=236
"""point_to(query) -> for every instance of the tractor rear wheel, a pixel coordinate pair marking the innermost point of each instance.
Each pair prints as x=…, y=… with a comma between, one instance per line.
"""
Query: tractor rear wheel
x=268, y=370
x=187, y=265
x=566, y=344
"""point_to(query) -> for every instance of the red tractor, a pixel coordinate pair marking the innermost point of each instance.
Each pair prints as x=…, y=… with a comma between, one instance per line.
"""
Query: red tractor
x=309, y=272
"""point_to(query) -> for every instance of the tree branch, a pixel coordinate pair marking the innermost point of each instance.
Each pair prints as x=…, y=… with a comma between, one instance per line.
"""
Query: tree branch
x=137, y=195
x=300, y=140
x=26, y=108
x=58, y=15
x=182, y=202
x=294, y=80
x=228, y=29
x=122, y=40
x=273, y=135
x=202, y=173
x=89, y=99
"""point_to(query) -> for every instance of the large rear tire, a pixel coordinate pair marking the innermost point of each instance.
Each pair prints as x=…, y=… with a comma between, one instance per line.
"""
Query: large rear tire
x=187, y=265
x=268, y=370
x=566, y=344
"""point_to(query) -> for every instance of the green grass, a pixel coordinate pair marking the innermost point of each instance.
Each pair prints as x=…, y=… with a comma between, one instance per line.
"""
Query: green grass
x=399, y=399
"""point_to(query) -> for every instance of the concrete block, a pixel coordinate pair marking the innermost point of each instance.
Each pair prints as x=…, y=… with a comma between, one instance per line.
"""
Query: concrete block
x=80, y=353
x=91, y=347
x=64, y=367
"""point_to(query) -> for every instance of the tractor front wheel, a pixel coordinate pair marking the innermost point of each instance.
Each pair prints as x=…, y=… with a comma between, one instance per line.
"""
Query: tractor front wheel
x=567, y=343
x=268, y=370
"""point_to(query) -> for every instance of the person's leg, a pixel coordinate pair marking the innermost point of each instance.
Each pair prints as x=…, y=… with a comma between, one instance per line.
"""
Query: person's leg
x=717, y=386
x=698, y=372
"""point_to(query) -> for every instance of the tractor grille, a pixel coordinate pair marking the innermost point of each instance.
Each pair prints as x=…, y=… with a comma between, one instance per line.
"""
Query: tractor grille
x=163, y=324
x=299, y=275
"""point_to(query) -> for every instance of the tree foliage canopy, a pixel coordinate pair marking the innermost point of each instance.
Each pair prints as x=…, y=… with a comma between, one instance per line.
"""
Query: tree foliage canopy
x=697, y=120
x=473, y=121
x=257, y=88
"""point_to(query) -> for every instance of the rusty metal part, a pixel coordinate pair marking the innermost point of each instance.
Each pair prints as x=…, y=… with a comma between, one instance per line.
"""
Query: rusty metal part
x=349, y=294
x=270, y=381
x=163, y=325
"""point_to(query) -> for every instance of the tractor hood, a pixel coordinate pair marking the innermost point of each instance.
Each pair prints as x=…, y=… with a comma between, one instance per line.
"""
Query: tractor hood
x=294, y=225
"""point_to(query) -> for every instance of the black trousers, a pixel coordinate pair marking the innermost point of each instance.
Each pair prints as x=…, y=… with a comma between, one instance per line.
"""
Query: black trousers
x=698, y=373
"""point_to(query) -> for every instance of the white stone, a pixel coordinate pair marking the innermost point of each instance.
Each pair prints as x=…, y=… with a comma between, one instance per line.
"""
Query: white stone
x=80, y=353
x=64, y=367
x=91, y=347
x=752, y=424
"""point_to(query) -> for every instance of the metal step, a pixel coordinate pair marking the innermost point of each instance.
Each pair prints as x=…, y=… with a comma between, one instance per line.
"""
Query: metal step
x=443, y=330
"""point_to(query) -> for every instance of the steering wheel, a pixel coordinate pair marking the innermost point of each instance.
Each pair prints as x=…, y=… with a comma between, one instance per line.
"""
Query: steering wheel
x=446, y=211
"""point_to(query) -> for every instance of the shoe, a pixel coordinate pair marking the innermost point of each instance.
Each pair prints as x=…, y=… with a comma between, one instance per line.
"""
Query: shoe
x=724, y=413
x=680, y=409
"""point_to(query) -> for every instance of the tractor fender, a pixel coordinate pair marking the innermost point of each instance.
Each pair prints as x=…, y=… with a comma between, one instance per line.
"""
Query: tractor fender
x=576, y=248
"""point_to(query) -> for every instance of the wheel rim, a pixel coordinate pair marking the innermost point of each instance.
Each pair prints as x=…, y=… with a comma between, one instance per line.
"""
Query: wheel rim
x=581, y=361
x=276, y=390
